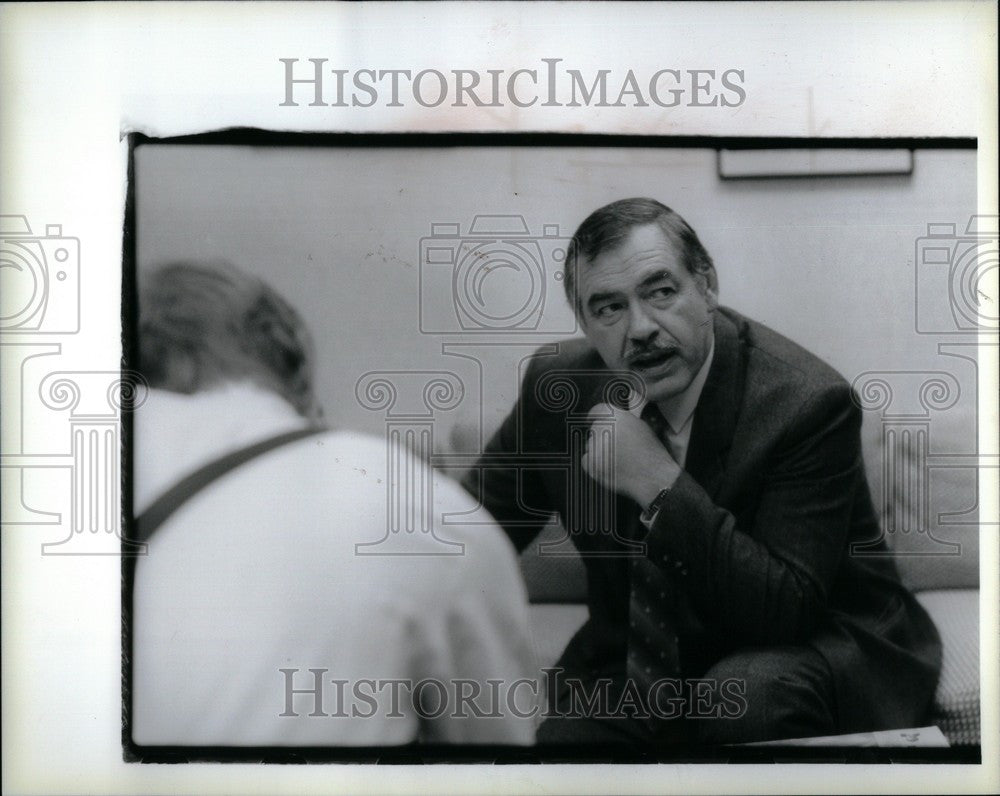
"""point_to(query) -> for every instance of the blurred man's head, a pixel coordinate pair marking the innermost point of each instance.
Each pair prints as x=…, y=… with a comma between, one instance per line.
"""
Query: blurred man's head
x=203, y=325
x=645, y=290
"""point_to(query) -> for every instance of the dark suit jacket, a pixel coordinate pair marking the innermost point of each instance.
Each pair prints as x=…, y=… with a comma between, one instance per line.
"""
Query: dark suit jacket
x=757, y=530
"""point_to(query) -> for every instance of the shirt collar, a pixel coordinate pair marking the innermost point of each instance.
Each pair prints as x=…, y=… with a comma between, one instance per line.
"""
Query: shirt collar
x=678, y=409
x=175, y=434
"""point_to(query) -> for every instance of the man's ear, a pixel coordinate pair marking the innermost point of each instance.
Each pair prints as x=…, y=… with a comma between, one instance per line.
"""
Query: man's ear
x=712, y=299
x=708, y=283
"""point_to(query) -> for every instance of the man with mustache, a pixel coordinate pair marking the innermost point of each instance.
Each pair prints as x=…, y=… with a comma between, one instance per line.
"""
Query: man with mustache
x=715, y=520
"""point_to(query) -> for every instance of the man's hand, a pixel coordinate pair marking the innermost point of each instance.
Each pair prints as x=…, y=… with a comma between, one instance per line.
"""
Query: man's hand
x=640, y=466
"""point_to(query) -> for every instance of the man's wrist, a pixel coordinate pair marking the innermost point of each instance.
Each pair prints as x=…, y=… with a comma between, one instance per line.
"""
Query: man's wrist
x=651, y=487
x=654, y=482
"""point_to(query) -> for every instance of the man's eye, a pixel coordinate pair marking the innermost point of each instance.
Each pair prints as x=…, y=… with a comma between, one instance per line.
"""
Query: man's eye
x=664, y=292
x=608, y=310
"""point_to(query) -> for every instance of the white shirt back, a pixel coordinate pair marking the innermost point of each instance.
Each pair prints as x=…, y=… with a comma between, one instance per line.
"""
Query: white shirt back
x=259, y=573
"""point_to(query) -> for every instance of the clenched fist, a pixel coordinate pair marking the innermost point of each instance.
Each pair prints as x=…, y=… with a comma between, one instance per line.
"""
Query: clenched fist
x=637, y=464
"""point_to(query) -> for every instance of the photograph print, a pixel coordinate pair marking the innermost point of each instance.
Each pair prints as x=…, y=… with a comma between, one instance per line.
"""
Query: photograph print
x=548, y=447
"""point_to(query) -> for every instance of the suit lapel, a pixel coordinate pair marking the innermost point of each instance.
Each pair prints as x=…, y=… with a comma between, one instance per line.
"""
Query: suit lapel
x=715, y=415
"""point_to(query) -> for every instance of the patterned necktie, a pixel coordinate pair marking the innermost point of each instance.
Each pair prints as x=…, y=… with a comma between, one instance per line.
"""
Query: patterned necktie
x=653, y=651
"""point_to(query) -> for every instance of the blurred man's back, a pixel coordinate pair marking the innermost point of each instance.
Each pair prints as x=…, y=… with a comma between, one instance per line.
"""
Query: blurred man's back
x=254, y=620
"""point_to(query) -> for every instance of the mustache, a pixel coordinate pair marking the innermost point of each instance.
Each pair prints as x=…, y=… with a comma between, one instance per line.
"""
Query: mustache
x=638, y=355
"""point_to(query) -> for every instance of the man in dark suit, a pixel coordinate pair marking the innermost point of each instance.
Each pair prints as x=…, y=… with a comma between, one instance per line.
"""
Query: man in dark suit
x=715, y=501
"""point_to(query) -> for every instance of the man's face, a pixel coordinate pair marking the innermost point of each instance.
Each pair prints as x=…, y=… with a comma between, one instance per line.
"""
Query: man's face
x=644, y=311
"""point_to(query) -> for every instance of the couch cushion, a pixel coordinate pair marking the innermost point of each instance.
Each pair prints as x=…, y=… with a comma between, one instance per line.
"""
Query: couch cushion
x=956, y=703
x=928, y=508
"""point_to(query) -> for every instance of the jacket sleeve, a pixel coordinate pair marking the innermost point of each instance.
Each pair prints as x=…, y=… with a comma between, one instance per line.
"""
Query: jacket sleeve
x=769, y=583
x=510, y=491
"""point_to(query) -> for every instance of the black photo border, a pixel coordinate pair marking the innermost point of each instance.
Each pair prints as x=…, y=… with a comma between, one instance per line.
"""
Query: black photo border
x=428, y=754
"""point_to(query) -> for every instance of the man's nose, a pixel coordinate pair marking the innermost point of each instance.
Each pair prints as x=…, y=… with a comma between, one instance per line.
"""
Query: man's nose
x=641, y=327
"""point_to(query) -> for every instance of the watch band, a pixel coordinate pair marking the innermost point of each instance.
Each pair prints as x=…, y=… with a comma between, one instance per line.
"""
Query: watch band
x=647, y=516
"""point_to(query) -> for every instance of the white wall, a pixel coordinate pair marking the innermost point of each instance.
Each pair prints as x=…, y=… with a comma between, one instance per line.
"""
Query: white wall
x=830, y=262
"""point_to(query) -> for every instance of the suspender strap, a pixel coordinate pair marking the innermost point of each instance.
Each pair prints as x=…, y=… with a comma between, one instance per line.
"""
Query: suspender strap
x=154, y=516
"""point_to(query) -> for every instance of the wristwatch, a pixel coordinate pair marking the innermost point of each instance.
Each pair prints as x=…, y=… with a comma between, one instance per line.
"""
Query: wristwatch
x=647, y=516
